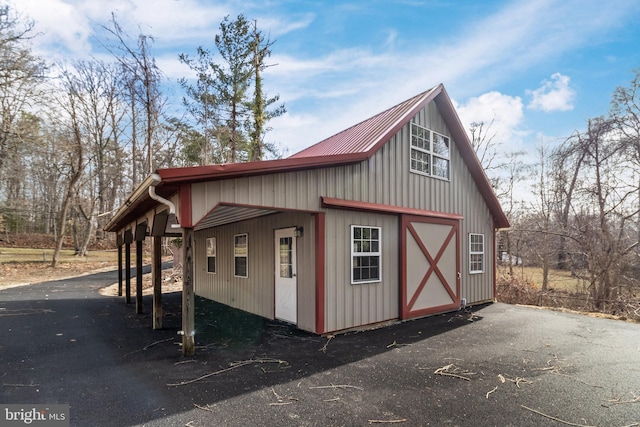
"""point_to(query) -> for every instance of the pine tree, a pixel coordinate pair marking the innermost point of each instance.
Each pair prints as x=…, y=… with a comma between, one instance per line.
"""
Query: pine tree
x=231, y=120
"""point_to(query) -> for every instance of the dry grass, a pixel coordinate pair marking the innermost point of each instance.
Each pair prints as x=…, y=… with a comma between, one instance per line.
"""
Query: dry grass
x=171, y=282
x=46, y=255
x=22, y=266
x=558, y=279
x=564, y=292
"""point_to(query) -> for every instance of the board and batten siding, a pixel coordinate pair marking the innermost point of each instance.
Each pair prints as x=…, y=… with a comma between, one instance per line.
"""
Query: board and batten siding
x=389, y=182
x=384, y=179
x=350, y=305
x=256, y=293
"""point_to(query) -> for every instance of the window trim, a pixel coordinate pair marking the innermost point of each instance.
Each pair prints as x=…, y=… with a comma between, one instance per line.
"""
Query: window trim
x=236, y=256
x=472, y=252
x=214, y=256
x=355, y=254
x=432, y=155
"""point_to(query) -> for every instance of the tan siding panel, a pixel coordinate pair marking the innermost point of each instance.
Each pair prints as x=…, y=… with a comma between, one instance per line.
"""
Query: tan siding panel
x=255, y=294
x=384, y=179
x=353, y=305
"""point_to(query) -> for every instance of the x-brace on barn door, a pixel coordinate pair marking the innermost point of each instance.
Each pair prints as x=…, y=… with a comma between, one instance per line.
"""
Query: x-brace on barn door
x=430, y=259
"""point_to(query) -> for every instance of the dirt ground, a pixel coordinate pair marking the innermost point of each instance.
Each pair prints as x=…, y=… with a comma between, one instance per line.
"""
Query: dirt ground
x=171, y=282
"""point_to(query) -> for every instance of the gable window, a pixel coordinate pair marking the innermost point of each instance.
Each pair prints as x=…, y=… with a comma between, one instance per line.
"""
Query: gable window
x=430, y=152
x=365, y=254
x=476, y=253
x=211, y=255
x=241, y=255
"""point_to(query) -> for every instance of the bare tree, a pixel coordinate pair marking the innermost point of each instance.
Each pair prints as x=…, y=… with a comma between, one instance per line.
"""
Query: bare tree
x=143, y=79
x=567, y=166
x=21, y=75
x=484, y=144
x=72, y=150
x=505, y=187
x=602, y=213
x=625, y=111
x=99, y=104
x=543, y=207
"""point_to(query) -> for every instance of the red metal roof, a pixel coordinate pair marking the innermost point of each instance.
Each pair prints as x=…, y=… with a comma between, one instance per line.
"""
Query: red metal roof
x=354, y=144
x=367, y=135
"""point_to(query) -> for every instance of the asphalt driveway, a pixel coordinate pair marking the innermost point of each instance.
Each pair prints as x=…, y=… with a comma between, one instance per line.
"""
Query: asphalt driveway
x=62, y=342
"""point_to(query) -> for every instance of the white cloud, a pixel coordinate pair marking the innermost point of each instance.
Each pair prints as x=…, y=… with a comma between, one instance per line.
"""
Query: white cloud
x=501, y=114
x=62, y=27
x=280, y=25
x=335, y=87
x=552, y=95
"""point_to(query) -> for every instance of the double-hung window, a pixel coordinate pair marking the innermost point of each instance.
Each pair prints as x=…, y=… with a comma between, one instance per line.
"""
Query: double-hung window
x=476, y=253
x=241, y=255
x=365, y=254
x=211, y=255
x=430, y=152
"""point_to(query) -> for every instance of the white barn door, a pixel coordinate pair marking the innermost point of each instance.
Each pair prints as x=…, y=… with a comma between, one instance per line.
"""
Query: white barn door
x=286, y=292
x=430, y=266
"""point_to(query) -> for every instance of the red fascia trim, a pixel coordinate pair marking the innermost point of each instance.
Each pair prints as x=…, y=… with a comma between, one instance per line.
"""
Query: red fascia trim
x=495, y=262
x=320, y=273
x=432, y=310
x=407, y=117
x=233, y=170
x=459, y=135
x=329, y=202
x=404, y=222
x=186, y=217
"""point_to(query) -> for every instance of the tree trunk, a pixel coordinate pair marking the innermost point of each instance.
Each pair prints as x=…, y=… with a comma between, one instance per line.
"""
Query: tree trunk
x=66, y=203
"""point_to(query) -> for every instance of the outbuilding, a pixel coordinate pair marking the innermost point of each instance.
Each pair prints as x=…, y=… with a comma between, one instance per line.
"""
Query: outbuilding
x=390, y=219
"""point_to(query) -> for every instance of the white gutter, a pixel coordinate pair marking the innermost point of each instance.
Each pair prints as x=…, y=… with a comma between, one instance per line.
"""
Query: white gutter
x=147, y=186
x=157, y=179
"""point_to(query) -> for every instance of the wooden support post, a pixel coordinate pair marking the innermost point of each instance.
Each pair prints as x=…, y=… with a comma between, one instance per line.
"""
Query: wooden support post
x=188, y=299
x=138, y=276
x=156, y=277
x=127, y=261
x=119, y=270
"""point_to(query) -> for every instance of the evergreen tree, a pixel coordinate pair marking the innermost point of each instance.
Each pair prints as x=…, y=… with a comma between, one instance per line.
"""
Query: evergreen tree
x=231, y=120
x=260, y=114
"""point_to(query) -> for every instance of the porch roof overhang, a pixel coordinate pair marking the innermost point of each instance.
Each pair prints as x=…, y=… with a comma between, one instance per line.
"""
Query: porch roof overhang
x=139, y=202
x=225, y=214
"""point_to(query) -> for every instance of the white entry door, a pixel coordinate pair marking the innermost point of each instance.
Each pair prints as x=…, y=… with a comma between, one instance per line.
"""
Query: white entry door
x=286, y=272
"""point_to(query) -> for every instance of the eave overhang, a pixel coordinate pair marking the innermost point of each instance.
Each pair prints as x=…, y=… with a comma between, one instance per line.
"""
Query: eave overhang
x=356, y=144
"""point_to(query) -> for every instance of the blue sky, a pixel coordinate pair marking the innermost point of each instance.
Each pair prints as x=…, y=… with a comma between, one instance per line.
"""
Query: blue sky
x=538, y=68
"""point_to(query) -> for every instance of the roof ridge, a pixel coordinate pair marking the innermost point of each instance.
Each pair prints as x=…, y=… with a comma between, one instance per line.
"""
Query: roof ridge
x=310, y=151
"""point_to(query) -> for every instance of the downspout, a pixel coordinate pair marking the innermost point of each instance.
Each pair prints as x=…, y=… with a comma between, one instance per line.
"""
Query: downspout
x=155, y=180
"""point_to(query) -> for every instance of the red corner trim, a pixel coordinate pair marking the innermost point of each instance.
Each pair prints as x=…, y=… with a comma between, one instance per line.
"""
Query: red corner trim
x=186, y=217
x=320, y=261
